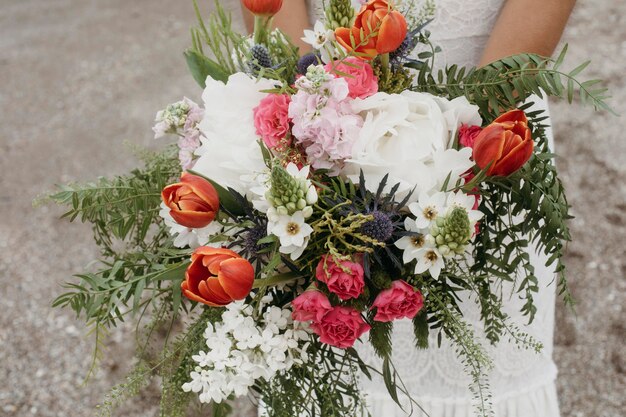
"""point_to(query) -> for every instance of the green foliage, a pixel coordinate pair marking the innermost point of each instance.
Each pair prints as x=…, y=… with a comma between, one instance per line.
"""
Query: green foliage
x=178, y=364
x=505, y=83
x=136, y=380
x=202, y=67
x=380, y=337
x=328, y=389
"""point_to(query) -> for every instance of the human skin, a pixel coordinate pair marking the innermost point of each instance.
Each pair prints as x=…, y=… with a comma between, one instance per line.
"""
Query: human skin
x=524, y=26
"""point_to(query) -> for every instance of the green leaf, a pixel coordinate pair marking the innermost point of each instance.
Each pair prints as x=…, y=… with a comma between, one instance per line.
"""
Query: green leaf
x=202, y=67
x=420, y=330
x=390, y=381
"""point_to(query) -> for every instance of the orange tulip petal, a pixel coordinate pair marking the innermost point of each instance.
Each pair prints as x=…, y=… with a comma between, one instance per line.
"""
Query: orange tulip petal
x=217, y=293
x=515, y=115
x=392, y=33
x=203, y=189
x=515, y=159
x=488, y=146
x=192, y=219
x=236, y=277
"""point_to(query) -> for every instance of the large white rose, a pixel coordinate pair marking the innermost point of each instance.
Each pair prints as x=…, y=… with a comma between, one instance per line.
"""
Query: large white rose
x=230, y=153
x=407, y=136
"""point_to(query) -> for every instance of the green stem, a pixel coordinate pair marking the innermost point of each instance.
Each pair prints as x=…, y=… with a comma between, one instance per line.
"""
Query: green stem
x=384, y=60
x=261, y=28
x=275, y=280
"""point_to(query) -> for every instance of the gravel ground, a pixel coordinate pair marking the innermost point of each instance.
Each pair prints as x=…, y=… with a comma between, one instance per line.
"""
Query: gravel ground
x=79, y=78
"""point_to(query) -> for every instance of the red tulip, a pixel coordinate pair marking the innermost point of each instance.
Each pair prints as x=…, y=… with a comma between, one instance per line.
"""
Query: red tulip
x=378, y=29
x=506, y=144
x=263, y=7
x=193, y=202
x=217, y=277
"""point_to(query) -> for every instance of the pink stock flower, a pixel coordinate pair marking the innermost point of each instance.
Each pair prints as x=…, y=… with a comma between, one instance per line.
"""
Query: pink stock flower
x=359, y=75
x=271, y=119
x=344, y=279
x=340, y=327
x=399, y=301
x=468, y=134
x=311, y=305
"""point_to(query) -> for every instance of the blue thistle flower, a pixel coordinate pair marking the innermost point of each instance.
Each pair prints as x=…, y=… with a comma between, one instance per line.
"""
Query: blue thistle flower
x=380, y=228
x=306, y=61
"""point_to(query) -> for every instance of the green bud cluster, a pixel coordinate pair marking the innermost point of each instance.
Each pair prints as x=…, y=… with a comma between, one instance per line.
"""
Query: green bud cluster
x=287, y=194
x=175, y=115
x=339, y=14
x=452, y=232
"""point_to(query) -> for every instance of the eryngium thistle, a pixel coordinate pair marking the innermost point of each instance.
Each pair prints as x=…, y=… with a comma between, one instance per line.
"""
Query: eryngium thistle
x=260, y=58
x=287, y=194
x=339, y=14
x=379, y=228
x=251, y=239
x=404, y=50
x=452, y=232
x=306, y=61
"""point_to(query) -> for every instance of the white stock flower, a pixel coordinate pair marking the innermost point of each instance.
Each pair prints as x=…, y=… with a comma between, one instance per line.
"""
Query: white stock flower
x=241, y=353
x=230, y=153
x=406, y=136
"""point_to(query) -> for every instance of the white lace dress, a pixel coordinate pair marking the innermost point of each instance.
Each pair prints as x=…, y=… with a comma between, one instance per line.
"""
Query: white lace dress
x=522, y=381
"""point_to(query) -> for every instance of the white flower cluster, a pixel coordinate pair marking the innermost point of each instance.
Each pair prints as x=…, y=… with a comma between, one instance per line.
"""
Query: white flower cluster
x=322, y=39
x=241, y=350
x=422, y=246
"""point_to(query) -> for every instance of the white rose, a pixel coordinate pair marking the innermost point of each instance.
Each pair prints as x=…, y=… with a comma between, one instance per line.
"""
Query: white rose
x=407, y=136
x=230, y=153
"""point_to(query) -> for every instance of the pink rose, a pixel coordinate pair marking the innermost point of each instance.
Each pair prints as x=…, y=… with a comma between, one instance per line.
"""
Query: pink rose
x=344, y=279
x=271, y=119
x=311, y=305
x=360, y=77
x=467, y=135
x=340, y=327
x=399, y=301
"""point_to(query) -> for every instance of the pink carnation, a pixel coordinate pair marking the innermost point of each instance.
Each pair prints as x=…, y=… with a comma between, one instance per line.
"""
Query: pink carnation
x=340, y=327
x=271, y=119
x=359, y=75
x=311, y=305
x=344, y=279
x=467, y=135
x=399, y=301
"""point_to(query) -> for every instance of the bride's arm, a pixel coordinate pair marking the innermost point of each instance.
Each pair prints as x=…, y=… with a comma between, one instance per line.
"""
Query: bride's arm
x=531, y=26
x=292, y=19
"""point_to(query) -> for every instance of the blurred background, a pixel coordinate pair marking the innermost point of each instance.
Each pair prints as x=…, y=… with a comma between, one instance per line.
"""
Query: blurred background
x=78, y=78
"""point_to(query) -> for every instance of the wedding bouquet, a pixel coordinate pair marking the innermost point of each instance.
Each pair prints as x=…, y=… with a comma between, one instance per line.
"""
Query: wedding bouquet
x=323, y=197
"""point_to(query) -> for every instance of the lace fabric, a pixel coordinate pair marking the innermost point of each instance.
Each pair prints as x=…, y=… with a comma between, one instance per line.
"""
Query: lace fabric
x=522, y=381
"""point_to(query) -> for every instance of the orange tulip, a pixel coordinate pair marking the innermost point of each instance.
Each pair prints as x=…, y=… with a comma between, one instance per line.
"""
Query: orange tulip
x=263, y=7
x=506, y=144
x=378, y=29
x=217, y=277
x=193, y=202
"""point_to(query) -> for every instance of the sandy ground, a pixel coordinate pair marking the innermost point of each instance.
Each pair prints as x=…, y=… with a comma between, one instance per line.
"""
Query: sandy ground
x=80, y=77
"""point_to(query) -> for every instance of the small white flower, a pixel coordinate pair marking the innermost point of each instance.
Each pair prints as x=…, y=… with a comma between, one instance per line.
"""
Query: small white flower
x=460, y=199
x=292, y=230
x=429, y=260
x=428, y=208
x=411, y=245
x=319, y=37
